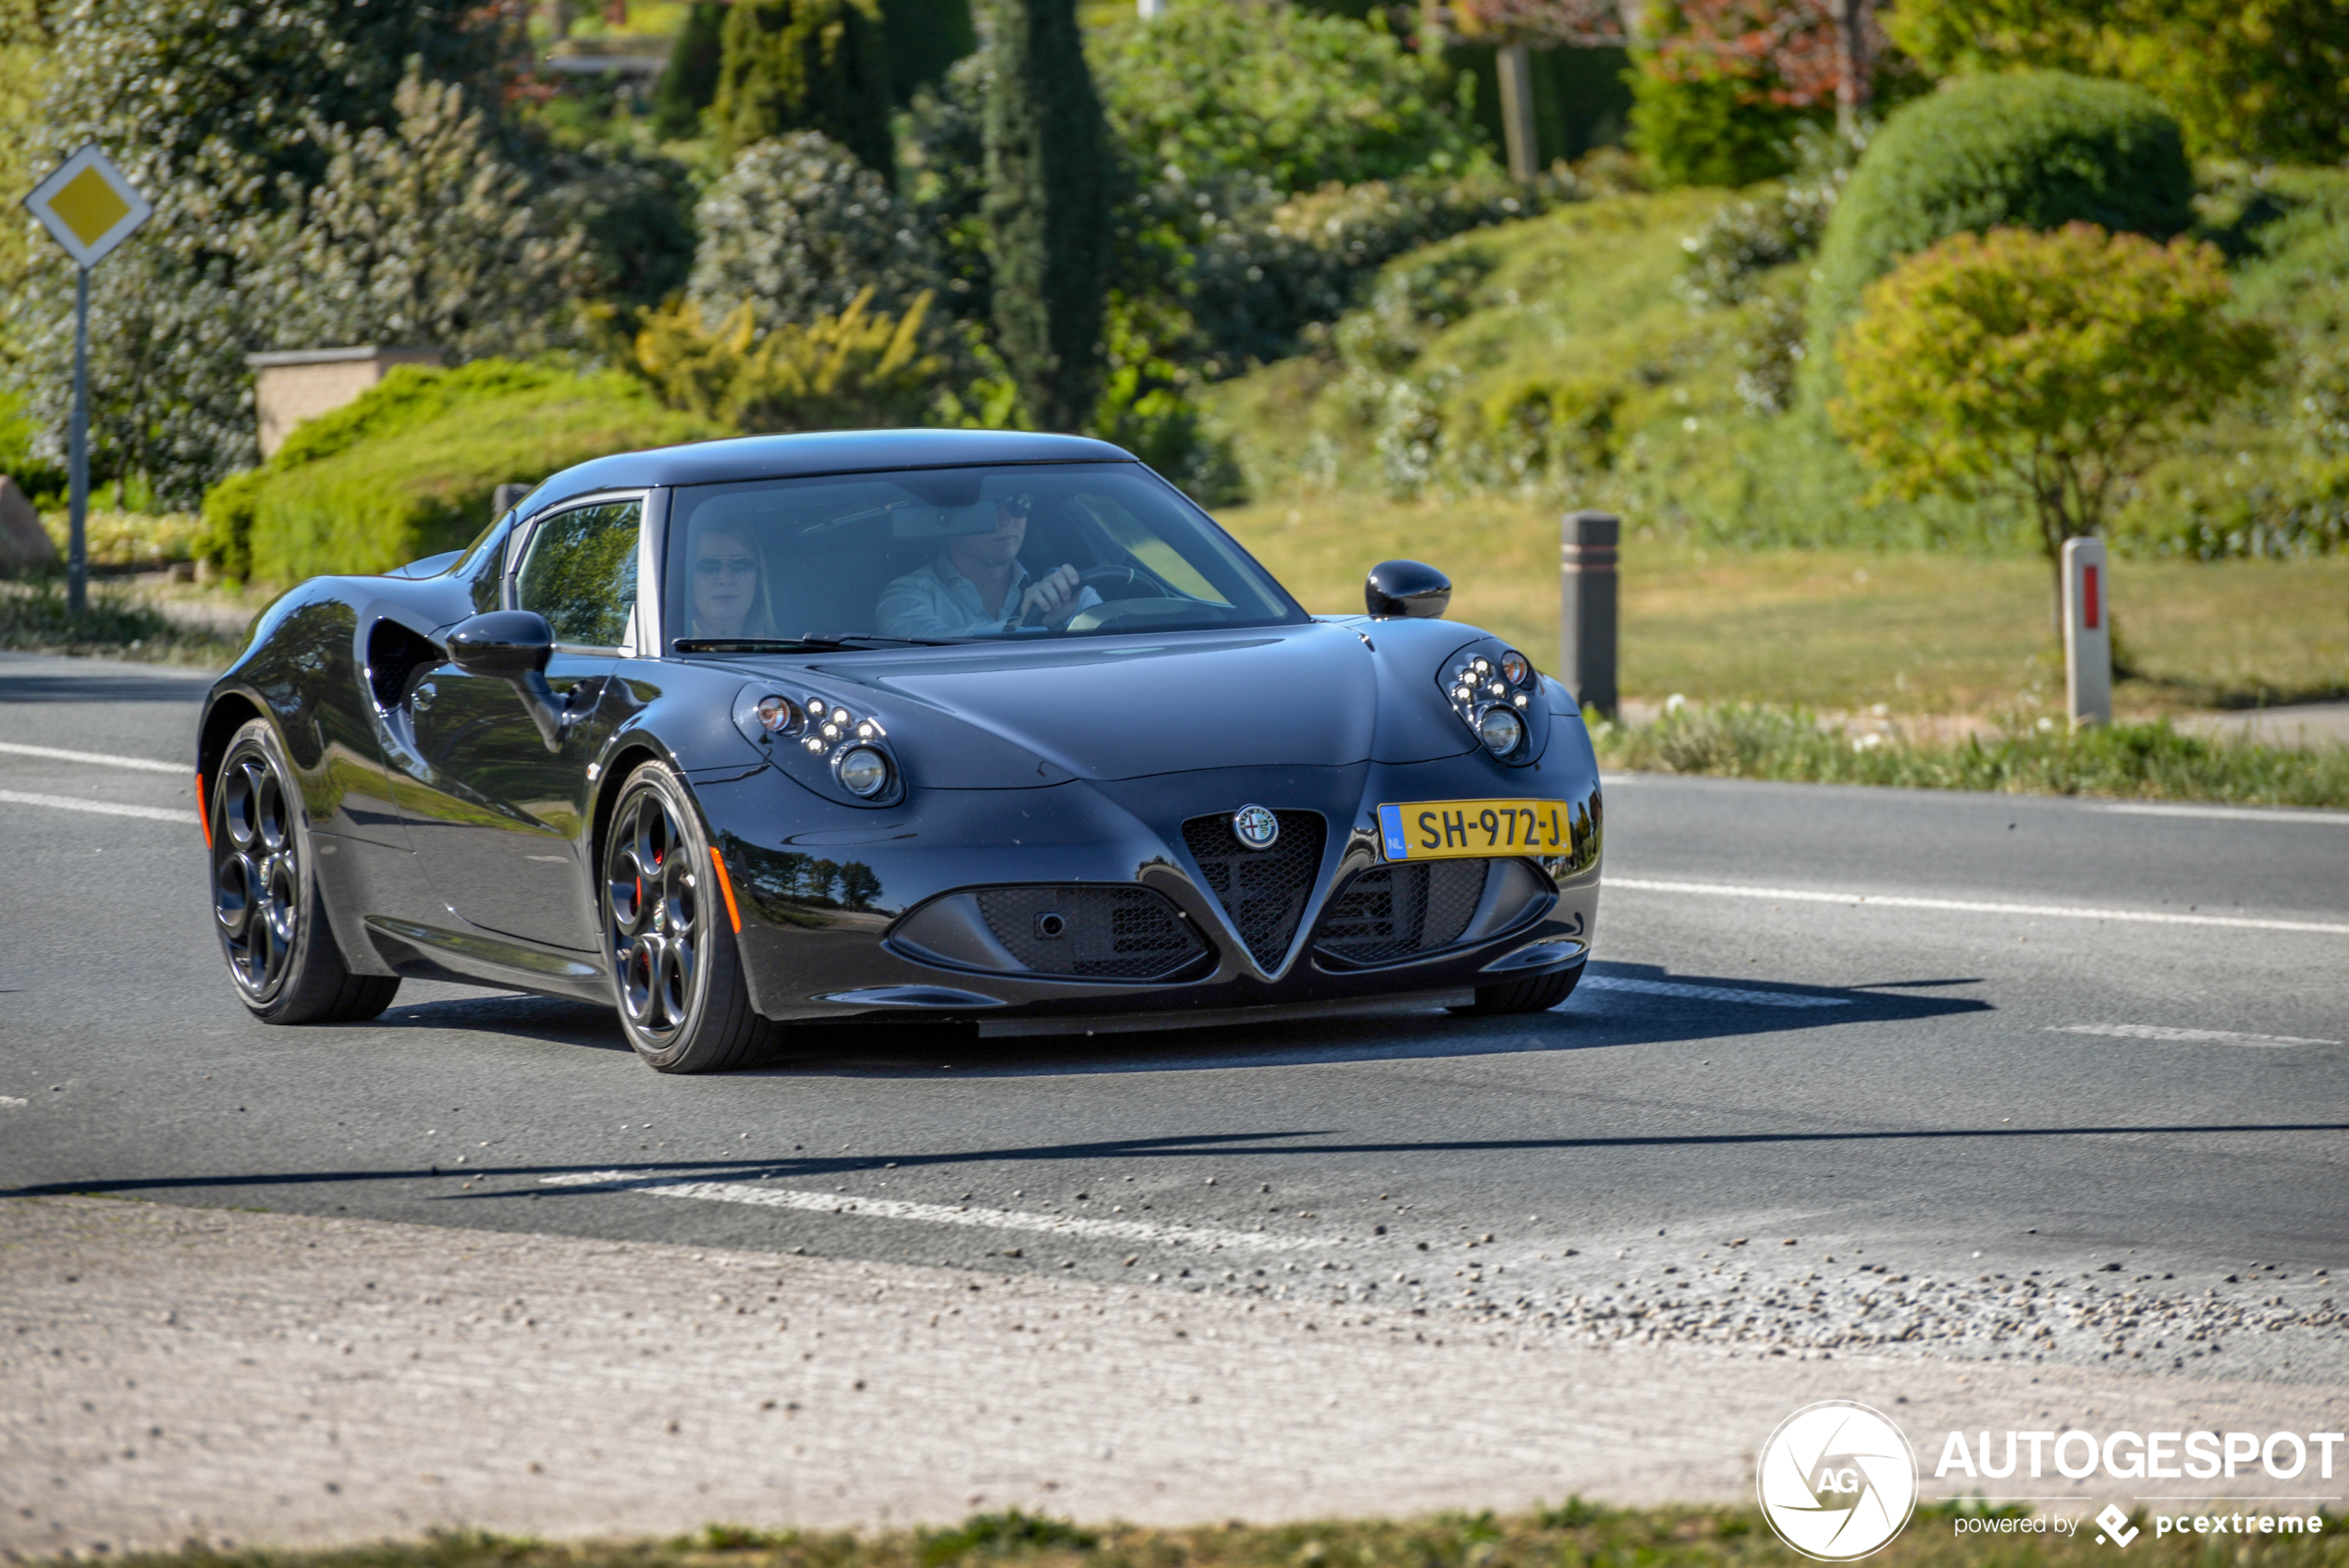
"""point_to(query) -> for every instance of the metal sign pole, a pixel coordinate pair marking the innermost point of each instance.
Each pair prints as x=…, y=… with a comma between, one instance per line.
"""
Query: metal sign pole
x=78, y=533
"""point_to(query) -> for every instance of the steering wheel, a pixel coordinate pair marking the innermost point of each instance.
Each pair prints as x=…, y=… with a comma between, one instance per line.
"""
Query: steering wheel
x=1093, y=577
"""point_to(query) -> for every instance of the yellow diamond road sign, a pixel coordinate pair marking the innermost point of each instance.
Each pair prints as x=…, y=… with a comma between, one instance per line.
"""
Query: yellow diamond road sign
x=89, y=206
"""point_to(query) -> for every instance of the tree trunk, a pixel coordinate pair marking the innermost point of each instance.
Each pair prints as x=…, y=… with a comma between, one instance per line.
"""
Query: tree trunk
x=1516, y=71
x=1854, y=85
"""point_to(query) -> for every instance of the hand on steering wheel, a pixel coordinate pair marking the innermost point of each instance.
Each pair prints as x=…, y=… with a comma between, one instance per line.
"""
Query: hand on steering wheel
x=1052, y=595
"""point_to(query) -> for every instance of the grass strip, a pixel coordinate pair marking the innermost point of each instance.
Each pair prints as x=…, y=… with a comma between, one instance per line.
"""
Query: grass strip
x=2140, y=761
x=1573, y=1535
x=33, y=618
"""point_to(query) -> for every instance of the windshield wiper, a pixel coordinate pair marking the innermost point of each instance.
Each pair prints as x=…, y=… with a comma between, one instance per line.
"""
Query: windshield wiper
x=857, y=640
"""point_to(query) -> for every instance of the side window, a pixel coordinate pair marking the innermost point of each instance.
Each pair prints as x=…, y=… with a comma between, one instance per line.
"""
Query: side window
x=581, y=573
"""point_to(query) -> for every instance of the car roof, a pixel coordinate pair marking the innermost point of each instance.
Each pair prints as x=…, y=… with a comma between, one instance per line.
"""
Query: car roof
x=829, y=451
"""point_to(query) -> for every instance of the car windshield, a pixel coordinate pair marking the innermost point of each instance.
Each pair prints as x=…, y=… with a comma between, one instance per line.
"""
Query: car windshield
x=950, y=555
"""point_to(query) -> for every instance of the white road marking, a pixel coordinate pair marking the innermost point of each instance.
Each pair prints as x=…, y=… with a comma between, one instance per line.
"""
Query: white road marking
x=1971, y=906
x=185, y=815
x=1706, y=993
x=2289, y=815
x=12, y=1101
x=1134, y=1230
x=102, y=759
x=2194, y=1036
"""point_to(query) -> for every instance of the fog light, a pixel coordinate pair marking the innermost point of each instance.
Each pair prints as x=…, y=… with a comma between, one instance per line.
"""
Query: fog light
x=1501, y=730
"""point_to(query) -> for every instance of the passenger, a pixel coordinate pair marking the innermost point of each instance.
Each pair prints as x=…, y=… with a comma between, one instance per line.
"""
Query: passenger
x=977, y=587
x=729, y=586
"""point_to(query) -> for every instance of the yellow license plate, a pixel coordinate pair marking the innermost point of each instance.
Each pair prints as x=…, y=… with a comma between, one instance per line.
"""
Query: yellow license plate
x=1459, y=829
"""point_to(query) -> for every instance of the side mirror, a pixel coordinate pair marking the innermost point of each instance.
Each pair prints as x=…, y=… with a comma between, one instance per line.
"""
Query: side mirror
x=1407, y=588
x=513, y=645
x=504, y=643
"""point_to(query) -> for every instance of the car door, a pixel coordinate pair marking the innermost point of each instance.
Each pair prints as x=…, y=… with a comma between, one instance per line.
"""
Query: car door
x=496, y=817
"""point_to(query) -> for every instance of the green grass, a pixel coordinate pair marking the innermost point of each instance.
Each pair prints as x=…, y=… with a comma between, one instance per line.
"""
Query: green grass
x=2142, y=760
x=1573, y=1535
x=1839, y=629
x=33, y=620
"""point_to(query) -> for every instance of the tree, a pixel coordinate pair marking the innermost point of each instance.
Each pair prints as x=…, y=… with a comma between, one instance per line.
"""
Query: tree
x=805, y=64
x=421, y=234
x=689, y=81
x=2047, y=367
x=2255, y=79
x=1048, y=207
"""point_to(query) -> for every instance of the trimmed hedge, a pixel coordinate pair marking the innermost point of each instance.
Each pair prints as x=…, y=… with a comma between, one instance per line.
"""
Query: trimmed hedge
x=409, y=469
x=2036, y=150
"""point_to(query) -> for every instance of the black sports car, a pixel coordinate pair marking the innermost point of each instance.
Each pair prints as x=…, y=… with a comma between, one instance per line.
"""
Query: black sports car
x=983, y=727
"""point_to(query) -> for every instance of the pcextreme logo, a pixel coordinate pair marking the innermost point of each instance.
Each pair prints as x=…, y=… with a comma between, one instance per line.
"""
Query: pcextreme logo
x=1837, y=1480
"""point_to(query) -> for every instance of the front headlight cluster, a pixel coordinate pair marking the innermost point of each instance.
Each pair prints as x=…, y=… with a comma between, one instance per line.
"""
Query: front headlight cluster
x=853, y=747
x=1491, y=694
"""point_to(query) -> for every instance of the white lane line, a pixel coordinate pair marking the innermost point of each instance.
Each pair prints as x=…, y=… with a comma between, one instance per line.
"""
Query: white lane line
x=1970, y=906
x=102, y=759
x=2194, y=1036
x=12, y=1102
x=103, y=808
x=1707, y=993
x=751, y=1192
x=2289, y=815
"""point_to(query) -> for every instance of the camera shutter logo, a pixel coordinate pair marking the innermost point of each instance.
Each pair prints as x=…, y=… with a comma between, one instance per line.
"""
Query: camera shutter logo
x=1837, y=1481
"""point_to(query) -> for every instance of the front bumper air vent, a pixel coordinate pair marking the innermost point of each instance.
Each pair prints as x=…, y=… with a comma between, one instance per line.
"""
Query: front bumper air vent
x=1091, y=933
x=1264, y=891
x=1398, y=912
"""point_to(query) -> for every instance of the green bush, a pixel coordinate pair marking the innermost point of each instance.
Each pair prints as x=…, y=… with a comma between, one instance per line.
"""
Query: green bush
x=796, y=228
x=409, y=469
x=1209, y=89
x=2036, y=150
x=1711, y=128
x=805, y=64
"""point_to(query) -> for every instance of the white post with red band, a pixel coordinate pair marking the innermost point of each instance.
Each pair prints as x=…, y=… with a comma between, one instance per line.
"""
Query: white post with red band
x=2087, y=634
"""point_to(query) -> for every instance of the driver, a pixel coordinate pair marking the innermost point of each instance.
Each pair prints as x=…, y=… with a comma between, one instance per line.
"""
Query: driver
x=977, y=587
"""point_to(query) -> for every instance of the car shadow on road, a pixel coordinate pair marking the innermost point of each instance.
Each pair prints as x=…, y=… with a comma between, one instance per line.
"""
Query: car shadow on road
x=1615, y=1005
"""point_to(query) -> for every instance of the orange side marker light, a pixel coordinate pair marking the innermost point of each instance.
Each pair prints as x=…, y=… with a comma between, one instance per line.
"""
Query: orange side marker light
x=726, y=886
x=203, y=815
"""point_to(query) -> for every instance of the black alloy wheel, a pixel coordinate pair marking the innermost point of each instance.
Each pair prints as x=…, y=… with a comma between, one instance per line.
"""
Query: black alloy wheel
x=280, y=950
x=676, y=970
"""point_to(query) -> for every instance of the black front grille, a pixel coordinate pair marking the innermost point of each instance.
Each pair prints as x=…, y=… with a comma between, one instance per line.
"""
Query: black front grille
x=1264, y=891
x=1094, y=933
x=1398, y=911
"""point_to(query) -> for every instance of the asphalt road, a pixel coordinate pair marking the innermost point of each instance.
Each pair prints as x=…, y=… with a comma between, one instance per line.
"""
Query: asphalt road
x=1881, y=1026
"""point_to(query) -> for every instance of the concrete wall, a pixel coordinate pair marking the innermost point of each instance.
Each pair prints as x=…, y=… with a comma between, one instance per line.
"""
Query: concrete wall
x=292, y=387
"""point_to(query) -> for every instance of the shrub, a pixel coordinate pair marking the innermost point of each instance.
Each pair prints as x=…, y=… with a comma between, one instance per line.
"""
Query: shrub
x=796, y=229
x=835, y=373
x=2258, y=80
x=408, y=469
x=2034, y=151
x=946, y=177
x=1210, y=89
x=689, y=81
x=2043, y=366
x=804, y=65
x=1709, y=127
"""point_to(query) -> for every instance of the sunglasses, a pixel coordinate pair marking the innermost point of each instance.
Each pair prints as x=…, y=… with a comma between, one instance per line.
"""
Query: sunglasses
x=715, y=566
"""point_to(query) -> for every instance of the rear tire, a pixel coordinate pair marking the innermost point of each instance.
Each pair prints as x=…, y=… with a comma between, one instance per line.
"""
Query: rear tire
x=1537, y=993
x=265, y=903
x=669, y=945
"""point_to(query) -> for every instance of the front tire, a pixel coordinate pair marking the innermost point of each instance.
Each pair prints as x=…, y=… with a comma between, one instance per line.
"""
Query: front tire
x=1537, y=993
x=676, y=969
x=265, y=903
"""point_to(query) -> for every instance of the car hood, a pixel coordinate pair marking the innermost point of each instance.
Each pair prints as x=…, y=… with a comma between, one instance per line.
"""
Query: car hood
x=1131, y=707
